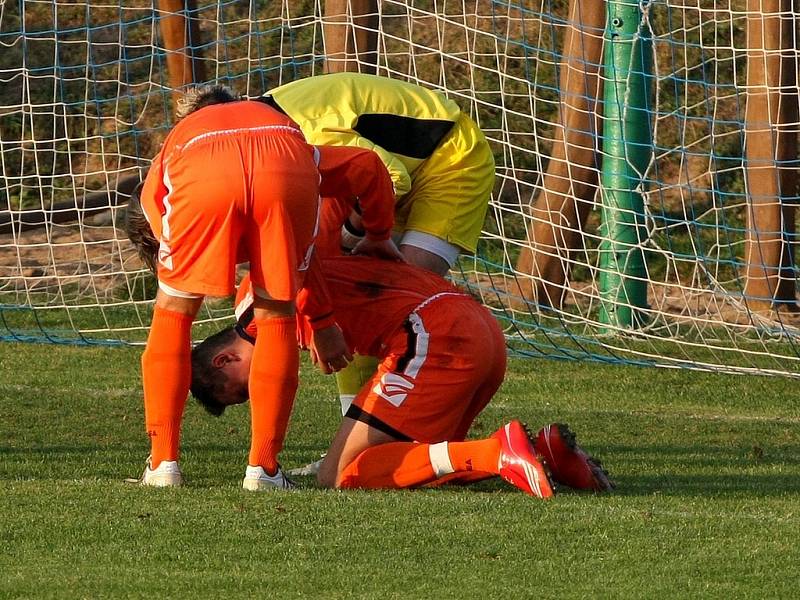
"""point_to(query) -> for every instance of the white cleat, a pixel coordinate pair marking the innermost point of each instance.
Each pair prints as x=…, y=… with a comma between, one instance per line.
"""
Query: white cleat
x=167, y=474
x=309, y=469
x=256, y=478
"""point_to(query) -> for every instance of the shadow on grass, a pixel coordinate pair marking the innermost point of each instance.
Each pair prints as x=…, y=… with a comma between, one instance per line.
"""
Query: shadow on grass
x=669, y=470
x=681, y=484
x=751, y=453
x=208, y=450
x=56, y=452
x=677, y=485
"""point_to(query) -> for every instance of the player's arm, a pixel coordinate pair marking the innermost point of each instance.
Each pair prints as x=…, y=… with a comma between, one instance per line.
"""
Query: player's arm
x=401, y=179
x=328, y=348
x=359, y=174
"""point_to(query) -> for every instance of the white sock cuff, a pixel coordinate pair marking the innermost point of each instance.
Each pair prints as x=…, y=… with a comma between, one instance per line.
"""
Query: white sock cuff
x=440, y=459
x=346, y=400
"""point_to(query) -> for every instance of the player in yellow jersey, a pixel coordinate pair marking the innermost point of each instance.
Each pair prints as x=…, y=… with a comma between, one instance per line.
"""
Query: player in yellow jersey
x=439, y=161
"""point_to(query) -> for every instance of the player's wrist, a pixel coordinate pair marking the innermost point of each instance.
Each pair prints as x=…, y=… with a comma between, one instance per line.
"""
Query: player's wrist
x=322, y=321
x=351, y=235
x=352, y=228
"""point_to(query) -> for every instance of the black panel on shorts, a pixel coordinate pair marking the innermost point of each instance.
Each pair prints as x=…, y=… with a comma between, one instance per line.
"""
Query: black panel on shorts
x=358, y=414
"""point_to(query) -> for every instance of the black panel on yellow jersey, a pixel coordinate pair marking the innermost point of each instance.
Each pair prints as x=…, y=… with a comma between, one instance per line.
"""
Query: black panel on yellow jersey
x=408, y=136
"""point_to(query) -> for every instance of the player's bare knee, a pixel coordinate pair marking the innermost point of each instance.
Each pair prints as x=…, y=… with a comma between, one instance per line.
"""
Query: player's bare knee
x=327, y=476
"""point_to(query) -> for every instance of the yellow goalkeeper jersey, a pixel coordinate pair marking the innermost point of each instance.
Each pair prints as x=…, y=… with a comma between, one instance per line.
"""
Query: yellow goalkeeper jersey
x=402, y=122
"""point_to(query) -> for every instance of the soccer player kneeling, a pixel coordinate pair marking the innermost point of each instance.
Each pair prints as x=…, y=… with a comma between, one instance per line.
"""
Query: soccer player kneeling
x=443, y=357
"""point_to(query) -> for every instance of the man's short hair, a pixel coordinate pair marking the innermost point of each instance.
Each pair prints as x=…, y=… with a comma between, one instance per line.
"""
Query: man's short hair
x=200, y=96
x=139, y=231
x=209, y=382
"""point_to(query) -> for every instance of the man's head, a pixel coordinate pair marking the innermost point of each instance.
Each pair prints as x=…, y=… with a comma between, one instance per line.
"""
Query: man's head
x=220, y=370
x=138, y=230
x=201, y=96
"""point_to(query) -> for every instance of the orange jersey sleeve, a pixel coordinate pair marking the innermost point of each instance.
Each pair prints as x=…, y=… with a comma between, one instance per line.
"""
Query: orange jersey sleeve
x=314, y=300
x=359, y=175
x=332, y=215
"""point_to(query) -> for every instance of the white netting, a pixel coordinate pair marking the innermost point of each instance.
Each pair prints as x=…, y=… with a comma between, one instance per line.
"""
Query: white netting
x=85, y=101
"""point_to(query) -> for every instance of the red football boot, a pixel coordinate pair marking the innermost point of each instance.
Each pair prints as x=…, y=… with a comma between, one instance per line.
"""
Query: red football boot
x=569, y=464
x=518, y=463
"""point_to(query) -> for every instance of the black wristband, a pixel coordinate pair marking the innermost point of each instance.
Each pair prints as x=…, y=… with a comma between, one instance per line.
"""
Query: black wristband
x=352, y=230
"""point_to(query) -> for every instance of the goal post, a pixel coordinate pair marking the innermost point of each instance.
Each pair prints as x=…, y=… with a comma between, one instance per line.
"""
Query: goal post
x=86, y=97
x=627, y=152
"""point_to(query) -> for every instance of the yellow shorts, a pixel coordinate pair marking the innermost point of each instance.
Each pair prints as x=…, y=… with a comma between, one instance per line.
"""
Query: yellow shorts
x=450, y=191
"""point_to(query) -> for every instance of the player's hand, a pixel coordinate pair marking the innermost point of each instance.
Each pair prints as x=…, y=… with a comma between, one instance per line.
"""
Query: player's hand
x=329, y=350
x=385, y=249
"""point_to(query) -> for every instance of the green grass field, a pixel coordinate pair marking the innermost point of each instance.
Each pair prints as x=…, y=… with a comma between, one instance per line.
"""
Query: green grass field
x=707, y=468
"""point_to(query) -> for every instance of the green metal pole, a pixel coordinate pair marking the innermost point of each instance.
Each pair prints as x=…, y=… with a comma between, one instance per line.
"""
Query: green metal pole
x=627, y=148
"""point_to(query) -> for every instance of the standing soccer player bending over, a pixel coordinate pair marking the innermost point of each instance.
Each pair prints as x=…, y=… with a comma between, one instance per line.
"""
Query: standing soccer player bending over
x=236, y=181
x=443, y=357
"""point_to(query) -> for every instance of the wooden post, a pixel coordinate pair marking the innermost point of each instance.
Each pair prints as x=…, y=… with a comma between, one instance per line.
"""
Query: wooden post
x=560, y=209
x=180, y=36
x=771, y=114
x=350, y=29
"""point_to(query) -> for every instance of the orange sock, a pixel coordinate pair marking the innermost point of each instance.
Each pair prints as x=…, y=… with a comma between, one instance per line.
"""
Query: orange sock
x=409, y=464
x=478, y=455
x=273, y=384
x=166, y=374
x=393, y=465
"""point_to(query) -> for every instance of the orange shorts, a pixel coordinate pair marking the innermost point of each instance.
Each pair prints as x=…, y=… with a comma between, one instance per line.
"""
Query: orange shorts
x=441, y=370
x=233, y=196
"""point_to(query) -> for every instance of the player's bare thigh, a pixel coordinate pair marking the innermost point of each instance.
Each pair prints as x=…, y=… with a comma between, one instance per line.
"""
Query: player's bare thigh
x=425, y=259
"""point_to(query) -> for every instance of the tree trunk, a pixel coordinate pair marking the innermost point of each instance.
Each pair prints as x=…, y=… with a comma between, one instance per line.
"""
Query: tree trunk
x=180, y=36
x=351, y=37
x=560, y=209
x=771, y=115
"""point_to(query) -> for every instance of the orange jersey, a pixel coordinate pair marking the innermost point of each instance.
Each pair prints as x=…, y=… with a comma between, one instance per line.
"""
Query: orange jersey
x=370, y=298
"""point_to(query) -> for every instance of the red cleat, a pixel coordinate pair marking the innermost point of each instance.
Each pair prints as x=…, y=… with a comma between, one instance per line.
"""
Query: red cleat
x=569, y=464
x=518, y=463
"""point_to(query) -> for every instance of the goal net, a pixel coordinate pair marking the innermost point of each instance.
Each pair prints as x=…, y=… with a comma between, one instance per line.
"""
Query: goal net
x=86, y=99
